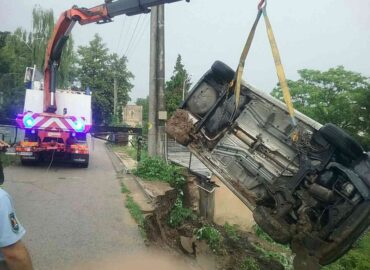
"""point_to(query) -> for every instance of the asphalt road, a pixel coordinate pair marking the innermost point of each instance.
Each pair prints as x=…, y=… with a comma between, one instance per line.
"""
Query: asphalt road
x=73, y=215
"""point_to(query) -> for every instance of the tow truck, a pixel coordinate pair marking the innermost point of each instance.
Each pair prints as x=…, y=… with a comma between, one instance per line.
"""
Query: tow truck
x=60, y=131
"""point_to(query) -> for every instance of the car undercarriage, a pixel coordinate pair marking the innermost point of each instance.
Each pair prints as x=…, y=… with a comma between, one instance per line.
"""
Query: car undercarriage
x=312, y=192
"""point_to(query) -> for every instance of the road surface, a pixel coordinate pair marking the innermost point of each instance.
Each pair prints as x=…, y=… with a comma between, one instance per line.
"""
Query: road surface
x=73, y=215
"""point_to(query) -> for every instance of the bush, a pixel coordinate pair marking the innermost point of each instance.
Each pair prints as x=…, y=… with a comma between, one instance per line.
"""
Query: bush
x=179, y=214
x=211, y=235
x=156, y=169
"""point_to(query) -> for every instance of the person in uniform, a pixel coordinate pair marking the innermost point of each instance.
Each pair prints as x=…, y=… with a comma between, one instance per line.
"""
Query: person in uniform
x=13, y=253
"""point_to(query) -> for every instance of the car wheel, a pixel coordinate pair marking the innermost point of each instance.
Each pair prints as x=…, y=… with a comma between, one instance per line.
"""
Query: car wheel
x=223, y=73
x=342, y=141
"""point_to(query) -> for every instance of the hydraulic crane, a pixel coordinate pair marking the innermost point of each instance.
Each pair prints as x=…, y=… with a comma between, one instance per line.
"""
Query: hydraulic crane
x=67, y=20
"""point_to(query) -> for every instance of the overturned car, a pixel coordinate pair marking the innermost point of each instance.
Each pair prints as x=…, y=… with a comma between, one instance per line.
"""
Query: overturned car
x=312, y=192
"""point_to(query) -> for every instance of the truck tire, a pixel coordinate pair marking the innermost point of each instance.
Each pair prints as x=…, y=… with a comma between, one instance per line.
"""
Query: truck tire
x=222, y=72
x=85, y=165
x=343, y=142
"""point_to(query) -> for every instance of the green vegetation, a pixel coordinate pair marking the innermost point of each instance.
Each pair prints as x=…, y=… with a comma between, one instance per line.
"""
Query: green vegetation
x=175, y=86
x=97, y=69
x=144, y=102
x=358, y=258
x=249, y=263
x=179, y=214
x=284, y=255
x=261, y=234
x=156, y=169
x=136, y=213
x=232, y=231
x=21, y=49
x=337, y=96
x=211, y=235
x=7, y=160
x=124, y=189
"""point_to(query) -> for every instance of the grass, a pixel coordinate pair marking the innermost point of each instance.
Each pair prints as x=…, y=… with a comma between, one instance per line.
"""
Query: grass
x=179, y=214
x=232, y=232
x=8, y=160
x=156, y=169
x=124, y=189
x=358, y=258
x=136, y=213
x=249, y=263
x=284, y=257
x=211, y=235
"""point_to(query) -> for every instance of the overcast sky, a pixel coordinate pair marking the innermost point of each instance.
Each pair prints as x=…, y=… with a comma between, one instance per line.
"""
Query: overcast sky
x=315, y=34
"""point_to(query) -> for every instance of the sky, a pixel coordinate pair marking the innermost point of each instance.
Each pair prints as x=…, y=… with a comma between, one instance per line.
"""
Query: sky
x=314, y=34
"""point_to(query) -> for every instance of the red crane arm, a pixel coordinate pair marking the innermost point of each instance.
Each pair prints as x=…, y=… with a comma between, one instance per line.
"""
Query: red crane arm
x=99, y=14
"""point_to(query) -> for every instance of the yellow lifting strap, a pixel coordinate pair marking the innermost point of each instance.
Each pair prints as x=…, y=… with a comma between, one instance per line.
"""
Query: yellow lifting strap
x=277, y=59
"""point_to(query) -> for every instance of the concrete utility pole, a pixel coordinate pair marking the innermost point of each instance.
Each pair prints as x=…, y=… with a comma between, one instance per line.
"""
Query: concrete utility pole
x=160, y=84
x=153, y=105
x=115, y=98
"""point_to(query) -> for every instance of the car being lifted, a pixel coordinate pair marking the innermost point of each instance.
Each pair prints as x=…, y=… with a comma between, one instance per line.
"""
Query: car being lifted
x=312, y=192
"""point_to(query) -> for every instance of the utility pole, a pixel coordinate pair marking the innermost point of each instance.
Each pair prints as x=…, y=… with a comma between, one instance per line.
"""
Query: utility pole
x=157, y=114
x=162, y=116
x=115, y=98
x=153, y=94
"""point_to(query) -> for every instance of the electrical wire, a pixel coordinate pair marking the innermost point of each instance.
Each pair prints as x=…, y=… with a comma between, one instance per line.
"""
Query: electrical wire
x=121, y=33
x=133, y=34
x=144, y=28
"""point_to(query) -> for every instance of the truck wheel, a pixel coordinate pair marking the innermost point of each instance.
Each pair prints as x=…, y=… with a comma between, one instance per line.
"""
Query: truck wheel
x=85, y=165
x=223, y=73
x=342, y=141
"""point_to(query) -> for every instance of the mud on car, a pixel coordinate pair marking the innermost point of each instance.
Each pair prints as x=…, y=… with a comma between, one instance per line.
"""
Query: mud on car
x=311, y=193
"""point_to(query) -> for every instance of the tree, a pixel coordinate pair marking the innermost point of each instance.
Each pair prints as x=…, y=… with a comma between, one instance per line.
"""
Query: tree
x=118, y=69
x=337, y=96
x=42, y=29
x=14, y=58
x=175, y=86
x=22, y=49
x=144, y=102
x=96, y=70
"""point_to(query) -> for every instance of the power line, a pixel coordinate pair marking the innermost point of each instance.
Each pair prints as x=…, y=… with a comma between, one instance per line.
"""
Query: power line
x=120, y=36
x=133, y=34
x=128, y=26
x=144, y=28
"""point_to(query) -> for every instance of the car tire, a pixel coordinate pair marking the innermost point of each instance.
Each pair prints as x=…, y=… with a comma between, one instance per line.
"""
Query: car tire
x=343, y=142
x=222, y=72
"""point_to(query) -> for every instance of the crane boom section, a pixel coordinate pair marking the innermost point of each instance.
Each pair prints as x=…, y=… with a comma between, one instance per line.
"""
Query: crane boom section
x=99, y=14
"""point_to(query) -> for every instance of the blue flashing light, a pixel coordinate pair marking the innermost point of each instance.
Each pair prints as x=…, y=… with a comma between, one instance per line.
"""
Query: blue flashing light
x=28, y=121
x=79, y=125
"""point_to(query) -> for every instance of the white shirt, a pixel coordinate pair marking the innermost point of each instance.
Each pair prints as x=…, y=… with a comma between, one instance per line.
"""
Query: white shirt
x=11, y=231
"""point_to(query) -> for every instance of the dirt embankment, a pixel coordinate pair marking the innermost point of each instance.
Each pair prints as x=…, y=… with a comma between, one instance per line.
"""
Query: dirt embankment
x=234, y=249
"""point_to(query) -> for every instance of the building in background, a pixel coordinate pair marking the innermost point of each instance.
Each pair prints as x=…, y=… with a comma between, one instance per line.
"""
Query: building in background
x=133, y=115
